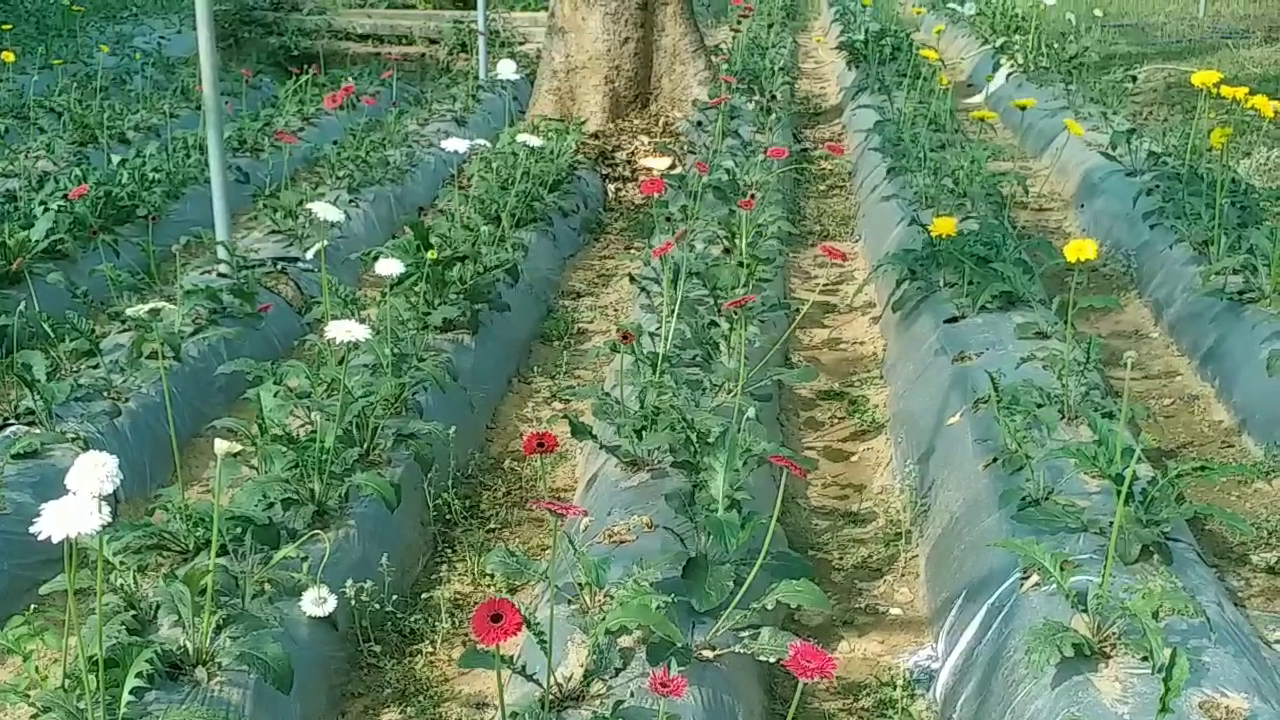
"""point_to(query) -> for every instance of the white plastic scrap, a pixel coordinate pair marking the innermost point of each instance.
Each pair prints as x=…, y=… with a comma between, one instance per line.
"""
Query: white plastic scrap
x=952, y=654
x=1000, y=77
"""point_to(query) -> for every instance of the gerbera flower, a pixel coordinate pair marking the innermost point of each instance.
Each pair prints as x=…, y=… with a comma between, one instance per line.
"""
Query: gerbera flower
x=944, y=226
x=668, y=685
x=318, y=601
x=342, y=332
x=496, y=621
x=1080, y=250
x=809, y=662
x=93, y=473
x=540, y=442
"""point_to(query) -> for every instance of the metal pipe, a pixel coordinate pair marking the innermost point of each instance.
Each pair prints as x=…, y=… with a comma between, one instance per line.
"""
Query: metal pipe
x=482, y=28
x=206, y=38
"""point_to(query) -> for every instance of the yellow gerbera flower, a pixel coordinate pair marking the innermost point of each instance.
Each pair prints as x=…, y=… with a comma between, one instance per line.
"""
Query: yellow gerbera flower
x=930, y=54
x=944, y=81
x=1219, y=136
x=1080, y=250
x=937, y=30
x=6, y=27
x=104, y=48
x=866, y=3
x=1206, y=79
x=8, y=57
x=1261, y=104
x=1074, y=127
x=1024, y=104
x=944, y=226
x=77, y=8
x=983, y=116
x=1234, y=92
x=918, y=11
x=58, y=61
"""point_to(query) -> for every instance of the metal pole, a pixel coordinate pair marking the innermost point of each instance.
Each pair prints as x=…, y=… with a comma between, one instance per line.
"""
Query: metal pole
x=1202, y=8
x=208, y=45
x=482, y=27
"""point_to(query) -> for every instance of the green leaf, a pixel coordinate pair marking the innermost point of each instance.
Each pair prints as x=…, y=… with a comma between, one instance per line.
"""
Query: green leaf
x=707, y=584
x=513, y=567
x=1273, y=363
x=136, y=679
x=796, y=594
x=379, y=487
x=1053, y=640
x=1173, y=681
x=633, y=615
x=769, y=645
x=265, y=657
x=474, y=658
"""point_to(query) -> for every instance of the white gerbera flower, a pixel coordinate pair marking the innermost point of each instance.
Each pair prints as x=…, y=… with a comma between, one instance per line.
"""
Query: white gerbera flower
x=223, y=448
x=310, y=254
x=94, y=473
x=1097, y=12
x=530, y=140
x=342, y=332
x=456, y=145
x=327, y=212
x=388, y=267
x=507, y=70
x=318, y=601
x=71, y=516
x=147, y=308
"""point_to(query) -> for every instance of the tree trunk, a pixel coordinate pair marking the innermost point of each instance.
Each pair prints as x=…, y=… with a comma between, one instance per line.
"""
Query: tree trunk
x=603, y=60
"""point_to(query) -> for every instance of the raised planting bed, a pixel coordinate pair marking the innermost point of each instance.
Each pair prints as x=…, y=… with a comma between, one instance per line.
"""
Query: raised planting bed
x=1044, y=600
x=182, y=391
x=683, y=457
x=446, y=329
x=1231, y=343
x=132, y=229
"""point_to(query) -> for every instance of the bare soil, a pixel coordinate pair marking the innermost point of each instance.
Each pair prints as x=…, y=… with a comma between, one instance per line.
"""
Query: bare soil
x=852, y=517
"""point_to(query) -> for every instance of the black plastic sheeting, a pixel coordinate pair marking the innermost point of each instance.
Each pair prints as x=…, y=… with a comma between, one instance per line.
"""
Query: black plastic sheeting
x=735, y=687
x=138, y=432
x=1227, y=341
x=485, y=365
x=936, y=367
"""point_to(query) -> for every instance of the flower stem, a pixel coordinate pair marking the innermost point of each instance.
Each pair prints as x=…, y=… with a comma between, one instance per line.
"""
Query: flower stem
x=206, y=622
x=67, y=562
x=755, y=569
x=102, y=660
x=1067, y=405
x=497, y=674
x=662, y=708
x=169, y=419
x=74, y=614
x=551, y=616
x=795, y=701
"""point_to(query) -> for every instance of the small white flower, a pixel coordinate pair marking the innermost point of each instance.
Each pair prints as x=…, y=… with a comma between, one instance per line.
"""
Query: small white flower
x=147, y=308
x=530, y=140
x=71, y=516
x=94, y=473
x=310, y=254
x=318, y=601
x=1097, y=12
x=457, y=145
x=388, y=267
x=326, y=212
x=342, y=332
x=223, y=448
x=507, y=70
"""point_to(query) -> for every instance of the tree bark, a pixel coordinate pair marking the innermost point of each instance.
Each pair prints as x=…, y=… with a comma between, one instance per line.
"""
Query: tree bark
x=604, y=60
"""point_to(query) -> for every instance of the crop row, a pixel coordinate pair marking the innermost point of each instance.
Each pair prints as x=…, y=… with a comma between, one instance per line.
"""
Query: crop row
x=1012, y=436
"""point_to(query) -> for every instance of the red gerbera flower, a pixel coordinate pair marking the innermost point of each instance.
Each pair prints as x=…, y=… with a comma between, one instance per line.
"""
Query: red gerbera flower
x=719, y=101
x=729, y=79
x=286, y=137
x=626, y=337
x=777, y=153
x=246, y=72
x=809, y=663
x=369, y=100
x=668, y=685
x=265, y=308
x=388, y=73
x=737, y=3
x=540, y=442
x=334, y=100
x=739, y=303
x=562, y=509
x=496, y=621
x=78, y=191
x=789, y=465
x=348, y=89
x=833, y=253
x=662, y=250
x=701, y=168
x=653, y=186
x=834, y=148
x=747, y=203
